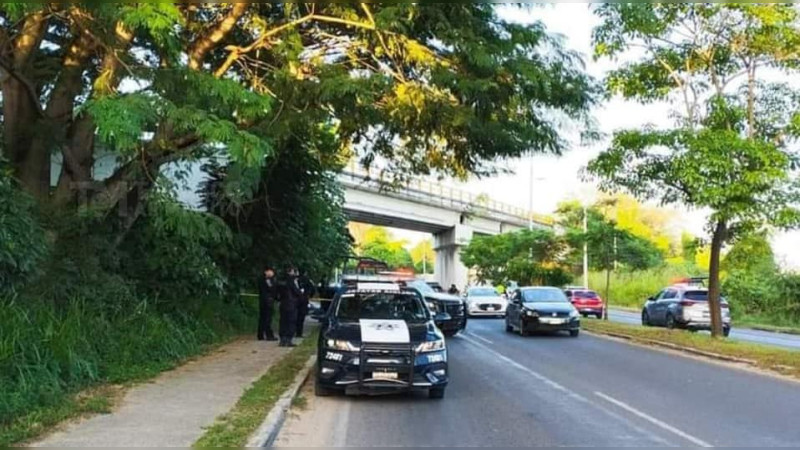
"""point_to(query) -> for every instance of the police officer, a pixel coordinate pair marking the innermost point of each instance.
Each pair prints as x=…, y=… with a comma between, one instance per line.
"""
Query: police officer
x=290, y=300
x=267, y=293
x=302, y=309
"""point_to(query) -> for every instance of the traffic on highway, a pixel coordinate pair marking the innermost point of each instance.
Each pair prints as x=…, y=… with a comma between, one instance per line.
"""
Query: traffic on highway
x=532, y=387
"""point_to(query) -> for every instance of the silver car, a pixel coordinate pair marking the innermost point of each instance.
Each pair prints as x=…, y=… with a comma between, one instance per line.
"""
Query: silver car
x=485, y=301
x=683, y=307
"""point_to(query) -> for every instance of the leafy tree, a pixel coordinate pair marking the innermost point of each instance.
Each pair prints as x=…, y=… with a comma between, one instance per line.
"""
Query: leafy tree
x=608, y=245
x=379, y=244
x=424, y=257
x=731, y=149
x=424, y=87
x=751, y=253
x=527, y=257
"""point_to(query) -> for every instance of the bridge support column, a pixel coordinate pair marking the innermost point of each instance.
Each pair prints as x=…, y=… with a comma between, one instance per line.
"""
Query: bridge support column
x=449, y=268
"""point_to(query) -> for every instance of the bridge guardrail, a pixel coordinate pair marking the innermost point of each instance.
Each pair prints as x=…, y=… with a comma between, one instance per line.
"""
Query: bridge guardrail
x=439, y=194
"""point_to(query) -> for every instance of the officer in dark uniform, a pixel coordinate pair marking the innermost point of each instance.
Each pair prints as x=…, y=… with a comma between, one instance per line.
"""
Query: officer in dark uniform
x=302, y=309
x=267, y=294
x=290, y=300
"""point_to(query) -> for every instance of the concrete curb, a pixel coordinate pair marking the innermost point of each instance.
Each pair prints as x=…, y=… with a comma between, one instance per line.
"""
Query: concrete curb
x=788, y=331
x=268, y=431
x=670, y=346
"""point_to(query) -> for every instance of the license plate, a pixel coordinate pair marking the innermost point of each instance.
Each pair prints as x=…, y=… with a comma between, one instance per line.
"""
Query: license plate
x=553, y=321
x=384, y=375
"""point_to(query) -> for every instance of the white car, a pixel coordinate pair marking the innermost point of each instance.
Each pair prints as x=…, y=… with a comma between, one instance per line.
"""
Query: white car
x=485, y=301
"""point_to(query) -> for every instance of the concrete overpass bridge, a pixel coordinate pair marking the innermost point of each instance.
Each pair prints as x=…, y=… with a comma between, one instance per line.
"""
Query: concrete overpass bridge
x=453, y=216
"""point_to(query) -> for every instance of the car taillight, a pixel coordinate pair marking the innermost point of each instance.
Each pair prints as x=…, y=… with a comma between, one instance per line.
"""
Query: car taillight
x=687, y=303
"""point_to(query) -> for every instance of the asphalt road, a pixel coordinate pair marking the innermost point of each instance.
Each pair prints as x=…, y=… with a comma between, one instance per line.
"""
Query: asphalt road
x=742, y=334
x=509, y=391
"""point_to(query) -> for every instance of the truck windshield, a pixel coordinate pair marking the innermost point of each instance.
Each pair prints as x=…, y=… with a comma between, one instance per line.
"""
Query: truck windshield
x=381, y=306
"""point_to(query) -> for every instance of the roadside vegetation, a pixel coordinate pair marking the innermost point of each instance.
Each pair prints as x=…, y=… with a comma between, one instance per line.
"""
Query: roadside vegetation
x=785, y=362
x=233, y=429
x=111, y=270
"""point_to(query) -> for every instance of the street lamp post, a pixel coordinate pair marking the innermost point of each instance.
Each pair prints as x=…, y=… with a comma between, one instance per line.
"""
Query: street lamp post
x=585, y=248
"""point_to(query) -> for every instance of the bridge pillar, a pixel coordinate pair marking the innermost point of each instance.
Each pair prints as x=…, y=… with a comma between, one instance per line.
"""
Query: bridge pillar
x=449, y=269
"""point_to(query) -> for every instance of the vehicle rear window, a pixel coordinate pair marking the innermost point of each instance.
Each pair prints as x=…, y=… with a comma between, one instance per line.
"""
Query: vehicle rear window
x=697, y=296
x=585, y=294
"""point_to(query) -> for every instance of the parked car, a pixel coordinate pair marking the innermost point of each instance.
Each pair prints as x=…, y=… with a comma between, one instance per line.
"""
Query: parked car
x=441, y=303
x=542, y=309
x=381, y=338
x=586, y=301
x=683, y=306
x=485, y=301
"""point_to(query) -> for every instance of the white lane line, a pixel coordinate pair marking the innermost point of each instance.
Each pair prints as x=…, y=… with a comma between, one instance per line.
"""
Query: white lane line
x=530, y=372
x=483, y=339
x=560, y=388
x=654, y=421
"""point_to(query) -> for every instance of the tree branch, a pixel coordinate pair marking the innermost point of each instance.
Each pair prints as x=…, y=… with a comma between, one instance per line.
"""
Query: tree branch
x=215, y=35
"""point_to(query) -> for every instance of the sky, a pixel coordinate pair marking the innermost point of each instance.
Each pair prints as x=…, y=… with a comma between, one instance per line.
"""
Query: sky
x=558, y=178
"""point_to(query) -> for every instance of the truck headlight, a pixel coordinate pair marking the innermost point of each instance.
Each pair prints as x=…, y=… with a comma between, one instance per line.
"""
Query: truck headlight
x=342, y=346
x=430, y=346
x=574, y=314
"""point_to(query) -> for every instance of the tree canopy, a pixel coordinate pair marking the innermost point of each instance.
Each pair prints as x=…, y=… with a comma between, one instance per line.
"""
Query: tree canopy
x=378, y=243
x=420, y=87
x=608, y=244
x=527, y=257
x=732, y=148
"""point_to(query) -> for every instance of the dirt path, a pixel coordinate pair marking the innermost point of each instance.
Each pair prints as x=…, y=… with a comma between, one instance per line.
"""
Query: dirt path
x=173, y=409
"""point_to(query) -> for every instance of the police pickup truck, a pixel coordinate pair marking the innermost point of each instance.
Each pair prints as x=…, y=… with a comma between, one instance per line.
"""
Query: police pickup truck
x=380, y=338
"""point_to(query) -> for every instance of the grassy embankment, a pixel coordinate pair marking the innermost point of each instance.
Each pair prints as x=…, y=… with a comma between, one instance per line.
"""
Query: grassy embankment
x=786, y=362
x=631, y=289
x=56, y=365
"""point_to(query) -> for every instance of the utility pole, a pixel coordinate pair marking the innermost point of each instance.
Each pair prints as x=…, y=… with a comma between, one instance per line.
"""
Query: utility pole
x=585, y=248
x=530, y=197
x=616, y=260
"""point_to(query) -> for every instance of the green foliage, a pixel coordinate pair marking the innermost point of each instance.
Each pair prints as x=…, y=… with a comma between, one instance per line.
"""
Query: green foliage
x=172, y=250
x=752, y=253
x=378, y=244
x=48, y=355
x=424, y=257
x=630, y=289
x=606, y=242
x=527, y=257
x=23, y=244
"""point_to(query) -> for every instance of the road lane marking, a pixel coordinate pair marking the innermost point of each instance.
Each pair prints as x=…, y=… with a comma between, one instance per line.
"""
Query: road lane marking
x=575, y=396
x=653, y=420
x=481, y=338
x=530, y=372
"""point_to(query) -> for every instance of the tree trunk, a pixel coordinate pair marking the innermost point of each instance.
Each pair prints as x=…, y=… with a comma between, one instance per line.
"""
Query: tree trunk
x=720, y=235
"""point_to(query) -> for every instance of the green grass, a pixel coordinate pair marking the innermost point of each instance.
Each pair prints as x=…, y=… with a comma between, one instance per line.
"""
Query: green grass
x=234, y=428
x=53, y=364
x=631, y=289
x=786, y=362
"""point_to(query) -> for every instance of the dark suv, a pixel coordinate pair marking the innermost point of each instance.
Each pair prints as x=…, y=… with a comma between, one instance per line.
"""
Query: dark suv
x=440, y=302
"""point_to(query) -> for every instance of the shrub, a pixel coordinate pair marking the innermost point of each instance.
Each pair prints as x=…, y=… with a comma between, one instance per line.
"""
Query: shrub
x=47, y=354
x=631, y=289
x=23, y=244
